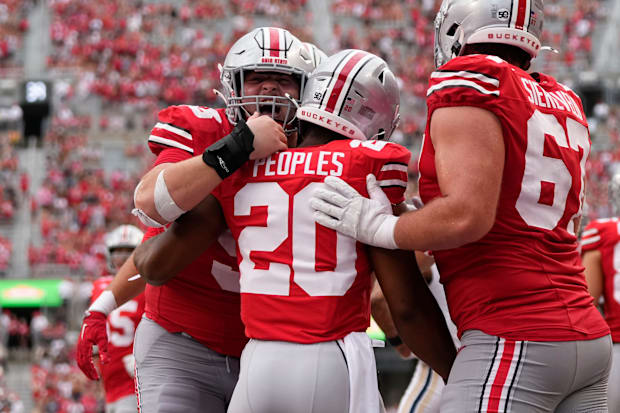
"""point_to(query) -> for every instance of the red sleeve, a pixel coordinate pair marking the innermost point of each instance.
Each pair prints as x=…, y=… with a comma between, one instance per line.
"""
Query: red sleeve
x=473, y=80
x=591, y=238
x=171, y=155
x=151, y=232
x=390, y=167
x=173, y=130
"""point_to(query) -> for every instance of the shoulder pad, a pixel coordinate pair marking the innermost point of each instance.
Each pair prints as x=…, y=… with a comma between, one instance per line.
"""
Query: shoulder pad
x=475, y=75
x=389, y=163
x=178, y=127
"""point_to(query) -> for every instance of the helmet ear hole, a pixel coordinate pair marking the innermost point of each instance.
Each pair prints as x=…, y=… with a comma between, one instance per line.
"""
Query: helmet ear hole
x=381, y=134
x=452, y=30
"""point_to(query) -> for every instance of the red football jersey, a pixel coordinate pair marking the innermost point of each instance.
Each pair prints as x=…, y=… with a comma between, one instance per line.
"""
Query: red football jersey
x=604, y=235
x=524, y=279
x=121, y=328
x=203, y=299
x=302, y=282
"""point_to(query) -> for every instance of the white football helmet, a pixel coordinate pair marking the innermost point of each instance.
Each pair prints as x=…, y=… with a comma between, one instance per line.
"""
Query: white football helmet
x=614, y=194
x=316, y=55
x=353, y=93
x=266, y=49
x=124, y=236
x=513, y=22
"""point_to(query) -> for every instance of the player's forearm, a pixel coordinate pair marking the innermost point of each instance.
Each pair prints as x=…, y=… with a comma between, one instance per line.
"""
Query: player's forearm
x=162, y=257
x=442, y=224
x=123, y=289
x=416, y=315
x=187, y=182
x=424, y=330
x=381, y=312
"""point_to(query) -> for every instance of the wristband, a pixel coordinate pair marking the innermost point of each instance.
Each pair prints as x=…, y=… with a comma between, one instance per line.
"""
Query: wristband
x=394, y=341
x=229, y=153
x=105, y=303
x=384, y=236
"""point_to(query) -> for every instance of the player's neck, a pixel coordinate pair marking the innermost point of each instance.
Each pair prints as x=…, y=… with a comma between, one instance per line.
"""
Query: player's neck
x=314, y=139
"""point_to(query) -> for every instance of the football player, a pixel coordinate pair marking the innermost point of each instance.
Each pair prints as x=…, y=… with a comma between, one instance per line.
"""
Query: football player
x=502, y=168
x=305, y=290
x=115, y=347
x=600, y=249
x=189, y=342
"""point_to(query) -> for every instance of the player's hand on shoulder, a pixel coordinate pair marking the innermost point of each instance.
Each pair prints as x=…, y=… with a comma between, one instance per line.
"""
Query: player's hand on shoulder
x=337, y=205
x=269, y=136
x=93, y=332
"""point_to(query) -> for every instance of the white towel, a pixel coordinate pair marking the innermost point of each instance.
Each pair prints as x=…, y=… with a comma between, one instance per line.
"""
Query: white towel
x=364, y=388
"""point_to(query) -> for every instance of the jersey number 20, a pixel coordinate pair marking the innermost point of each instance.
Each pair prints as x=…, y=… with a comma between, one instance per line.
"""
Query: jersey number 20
x=301, y=227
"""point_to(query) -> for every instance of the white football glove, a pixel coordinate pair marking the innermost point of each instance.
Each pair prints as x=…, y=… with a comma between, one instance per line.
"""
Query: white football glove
x=339, y=206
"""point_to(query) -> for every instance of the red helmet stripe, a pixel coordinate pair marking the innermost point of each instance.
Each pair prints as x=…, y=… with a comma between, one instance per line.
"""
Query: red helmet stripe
x=522, y=13
x=342, y=79
x=274, y=42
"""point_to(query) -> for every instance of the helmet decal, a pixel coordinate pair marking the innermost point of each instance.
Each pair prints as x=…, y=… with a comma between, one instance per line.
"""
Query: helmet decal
x=345, y=74
x=512, y=22
x=353, y=93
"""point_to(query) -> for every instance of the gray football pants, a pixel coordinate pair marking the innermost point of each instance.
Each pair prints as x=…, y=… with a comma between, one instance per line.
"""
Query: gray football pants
x=491, y=374
x=175, y=373
x=614, y=381
x=282, y=377
x=127, y=404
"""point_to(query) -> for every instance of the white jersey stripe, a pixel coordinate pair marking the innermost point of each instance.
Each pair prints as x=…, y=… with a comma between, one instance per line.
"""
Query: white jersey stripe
x=470, y=75
x=174, y=130
x=393, y=182
x=170, y=142
x=591, y=240
x=394, y=167
x=589, y=232
x=461, y=83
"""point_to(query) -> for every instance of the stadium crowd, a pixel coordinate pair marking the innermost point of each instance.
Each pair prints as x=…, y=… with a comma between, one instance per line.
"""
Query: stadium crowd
x=78, y=201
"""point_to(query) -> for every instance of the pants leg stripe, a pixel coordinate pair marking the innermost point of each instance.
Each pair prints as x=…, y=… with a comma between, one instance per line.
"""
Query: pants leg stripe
x=429, y=375
x=137, y=384
x=501, y=375
x=521, y=345
x=486, y=380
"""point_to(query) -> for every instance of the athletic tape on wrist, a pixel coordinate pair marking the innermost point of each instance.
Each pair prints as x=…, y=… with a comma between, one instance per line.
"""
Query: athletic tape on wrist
x=229, y=153
x=164, y=204
x=385, y=233
x=105, y=303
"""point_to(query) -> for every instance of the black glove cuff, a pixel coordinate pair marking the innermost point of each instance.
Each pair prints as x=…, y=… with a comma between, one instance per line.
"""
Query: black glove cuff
x=394, y=341
x=229, y=153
